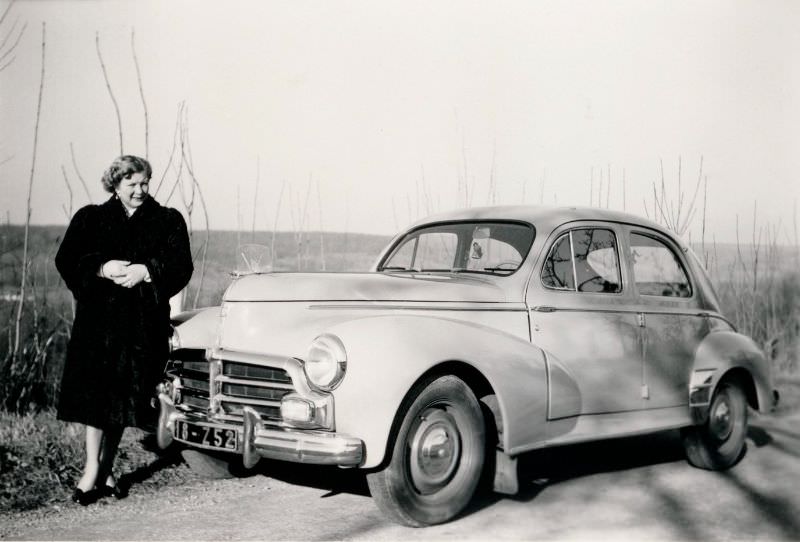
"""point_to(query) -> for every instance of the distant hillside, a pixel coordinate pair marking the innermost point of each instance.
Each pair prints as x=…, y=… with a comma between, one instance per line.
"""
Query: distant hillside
x=312, y=251
x=338, y=251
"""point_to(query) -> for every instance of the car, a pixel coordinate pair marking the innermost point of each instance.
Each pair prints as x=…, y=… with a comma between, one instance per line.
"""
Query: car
x=477, y=336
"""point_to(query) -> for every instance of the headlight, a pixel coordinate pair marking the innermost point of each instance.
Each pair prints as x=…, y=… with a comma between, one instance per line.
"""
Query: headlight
x=325, y=362
x=174, y=340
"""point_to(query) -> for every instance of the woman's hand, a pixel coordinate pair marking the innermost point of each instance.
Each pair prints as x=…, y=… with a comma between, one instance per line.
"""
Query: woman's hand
x=113, y=269
x=132, y=275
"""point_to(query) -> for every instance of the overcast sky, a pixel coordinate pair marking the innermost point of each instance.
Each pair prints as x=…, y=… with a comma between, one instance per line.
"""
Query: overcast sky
x=388, y=107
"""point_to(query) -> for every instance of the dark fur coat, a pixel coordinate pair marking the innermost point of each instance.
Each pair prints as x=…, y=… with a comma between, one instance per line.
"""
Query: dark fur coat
x=119, y=342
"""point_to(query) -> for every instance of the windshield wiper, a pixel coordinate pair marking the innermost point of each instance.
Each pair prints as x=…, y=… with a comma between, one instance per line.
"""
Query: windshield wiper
x=499, y=270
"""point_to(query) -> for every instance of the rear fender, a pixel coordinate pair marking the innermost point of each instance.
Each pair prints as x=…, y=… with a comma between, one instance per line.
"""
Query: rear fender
x=388, y=354
x=729, y=354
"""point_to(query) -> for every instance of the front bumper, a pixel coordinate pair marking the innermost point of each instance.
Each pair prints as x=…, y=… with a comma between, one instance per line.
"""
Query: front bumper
x=257, y=440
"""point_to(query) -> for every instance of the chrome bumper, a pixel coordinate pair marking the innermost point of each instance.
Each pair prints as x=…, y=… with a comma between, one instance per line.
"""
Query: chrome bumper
x=257, y=440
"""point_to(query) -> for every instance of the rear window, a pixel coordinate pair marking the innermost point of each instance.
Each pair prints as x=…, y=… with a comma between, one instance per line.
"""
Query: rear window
x=656, y=269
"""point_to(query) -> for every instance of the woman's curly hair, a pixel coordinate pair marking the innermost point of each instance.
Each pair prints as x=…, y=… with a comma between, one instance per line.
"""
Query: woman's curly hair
x=123, y=167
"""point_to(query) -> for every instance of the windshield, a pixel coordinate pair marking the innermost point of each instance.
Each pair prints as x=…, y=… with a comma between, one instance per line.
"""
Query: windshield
x=496, y=248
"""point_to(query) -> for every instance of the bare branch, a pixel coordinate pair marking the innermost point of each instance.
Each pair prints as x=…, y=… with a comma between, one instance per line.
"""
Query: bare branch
x=5, y=50
x=275, y=226
x=110, y=92
x=7, y=64
x=5, y=12
x=78, y=172
x=255, y=199
x=172, y=152
x=141, y=93
x=68, y=212
x=16, y=42
x=28, y=209
x=187, y=160
x=321, y=234
x=624, y=195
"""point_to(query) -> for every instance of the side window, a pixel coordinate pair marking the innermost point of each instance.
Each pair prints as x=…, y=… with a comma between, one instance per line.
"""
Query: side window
x=584, y=260
x=656, y=268
x=557, y=272
x=596, y=261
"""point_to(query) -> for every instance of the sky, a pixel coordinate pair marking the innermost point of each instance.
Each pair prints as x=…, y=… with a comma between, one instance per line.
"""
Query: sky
x=363, y=116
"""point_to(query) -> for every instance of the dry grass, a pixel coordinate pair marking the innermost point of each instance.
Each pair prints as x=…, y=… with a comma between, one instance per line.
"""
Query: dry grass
x=41, y=459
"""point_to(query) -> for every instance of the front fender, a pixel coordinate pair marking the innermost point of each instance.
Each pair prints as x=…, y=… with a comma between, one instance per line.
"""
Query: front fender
x=720, y=353
x=388, y=354
x=197, y=328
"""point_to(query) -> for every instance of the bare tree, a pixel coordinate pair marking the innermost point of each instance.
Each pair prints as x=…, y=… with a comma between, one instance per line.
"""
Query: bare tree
x=675, y=214
x=28, y=208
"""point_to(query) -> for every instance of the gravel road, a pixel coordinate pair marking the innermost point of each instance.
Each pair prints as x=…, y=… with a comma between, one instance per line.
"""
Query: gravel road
x=629, y=489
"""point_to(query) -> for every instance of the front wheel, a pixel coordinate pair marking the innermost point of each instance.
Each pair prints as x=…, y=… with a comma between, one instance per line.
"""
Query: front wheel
x=719, y=442
x=437, y=457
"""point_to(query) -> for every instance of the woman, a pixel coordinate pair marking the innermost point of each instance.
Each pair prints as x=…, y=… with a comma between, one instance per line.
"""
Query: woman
x=122, y=260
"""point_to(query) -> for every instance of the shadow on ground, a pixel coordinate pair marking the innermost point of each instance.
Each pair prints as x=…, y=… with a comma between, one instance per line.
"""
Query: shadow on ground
x=165, y=459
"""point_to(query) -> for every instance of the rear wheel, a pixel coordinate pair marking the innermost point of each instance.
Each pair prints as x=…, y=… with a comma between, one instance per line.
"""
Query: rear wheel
x=719, y=442
x=437, y=457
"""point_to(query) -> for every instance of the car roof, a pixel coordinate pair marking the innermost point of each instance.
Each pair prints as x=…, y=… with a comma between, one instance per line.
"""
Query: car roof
x=544, y=217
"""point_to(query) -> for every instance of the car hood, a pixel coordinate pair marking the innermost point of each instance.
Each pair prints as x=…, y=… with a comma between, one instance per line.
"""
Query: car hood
x=424, y=287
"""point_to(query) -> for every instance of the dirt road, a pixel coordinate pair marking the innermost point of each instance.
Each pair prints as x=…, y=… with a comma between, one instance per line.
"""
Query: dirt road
x=631, y=489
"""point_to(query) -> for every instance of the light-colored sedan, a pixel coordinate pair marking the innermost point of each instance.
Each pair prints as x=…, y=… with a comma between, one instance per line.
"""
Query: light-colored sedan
x=479, y=335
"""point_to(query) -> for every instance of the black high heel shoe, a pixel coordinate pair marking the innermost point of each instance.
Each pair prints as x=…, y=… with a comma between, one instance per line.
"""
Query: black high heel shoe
x=115, y=491
x=82, y=497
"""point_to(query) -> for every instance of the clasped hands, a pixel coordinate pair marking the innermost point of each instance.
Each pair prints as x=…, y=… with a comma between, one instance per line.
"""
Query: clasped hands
x=124, y=273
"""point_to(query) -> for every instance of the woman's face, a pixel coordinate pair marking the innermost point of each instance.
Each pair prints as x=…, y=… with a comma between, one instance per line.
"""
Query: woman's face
x=132, y=190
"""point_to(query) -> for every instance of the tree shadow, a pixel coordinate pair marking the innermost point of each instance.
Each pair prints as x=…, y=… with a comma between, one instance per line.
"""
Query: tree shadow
x=334, y=479
x=775, y=509
x=166, y=459
x=539, y=469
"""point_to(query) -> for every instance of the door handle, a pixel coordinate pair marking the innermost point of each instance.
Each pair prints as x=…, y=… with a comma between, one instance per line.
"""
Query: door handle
x=543, y=308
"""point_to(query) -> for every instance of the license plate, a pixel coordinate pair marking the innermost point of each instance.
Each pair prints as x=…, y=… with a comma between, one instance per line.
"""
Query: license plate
x=204, y=435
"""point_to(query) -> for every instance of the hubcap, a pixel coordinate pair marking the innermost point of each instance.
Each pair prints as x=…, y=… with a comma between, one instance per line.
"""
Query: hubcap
x=435, y=451
x=721, y=421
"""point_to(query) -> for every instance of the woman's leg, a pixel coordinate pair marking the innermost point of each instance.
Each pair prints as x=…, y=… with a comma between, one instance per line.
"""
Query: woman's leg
x=94, y=438
x=108, y=451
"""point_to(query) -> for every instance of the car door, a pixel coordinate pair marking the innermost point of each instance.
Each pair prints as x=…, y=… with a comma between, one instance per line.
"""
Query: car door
x=579, y=314
x=670, y=308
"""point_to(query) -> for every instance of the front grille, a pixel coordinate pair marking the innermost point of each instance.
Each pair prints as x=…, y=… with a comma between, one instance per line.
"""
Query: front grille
x=255, y=372
x=266, y=412
x=253, y=392
x=232, y=385
x=191, y=367
x=257, y=386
